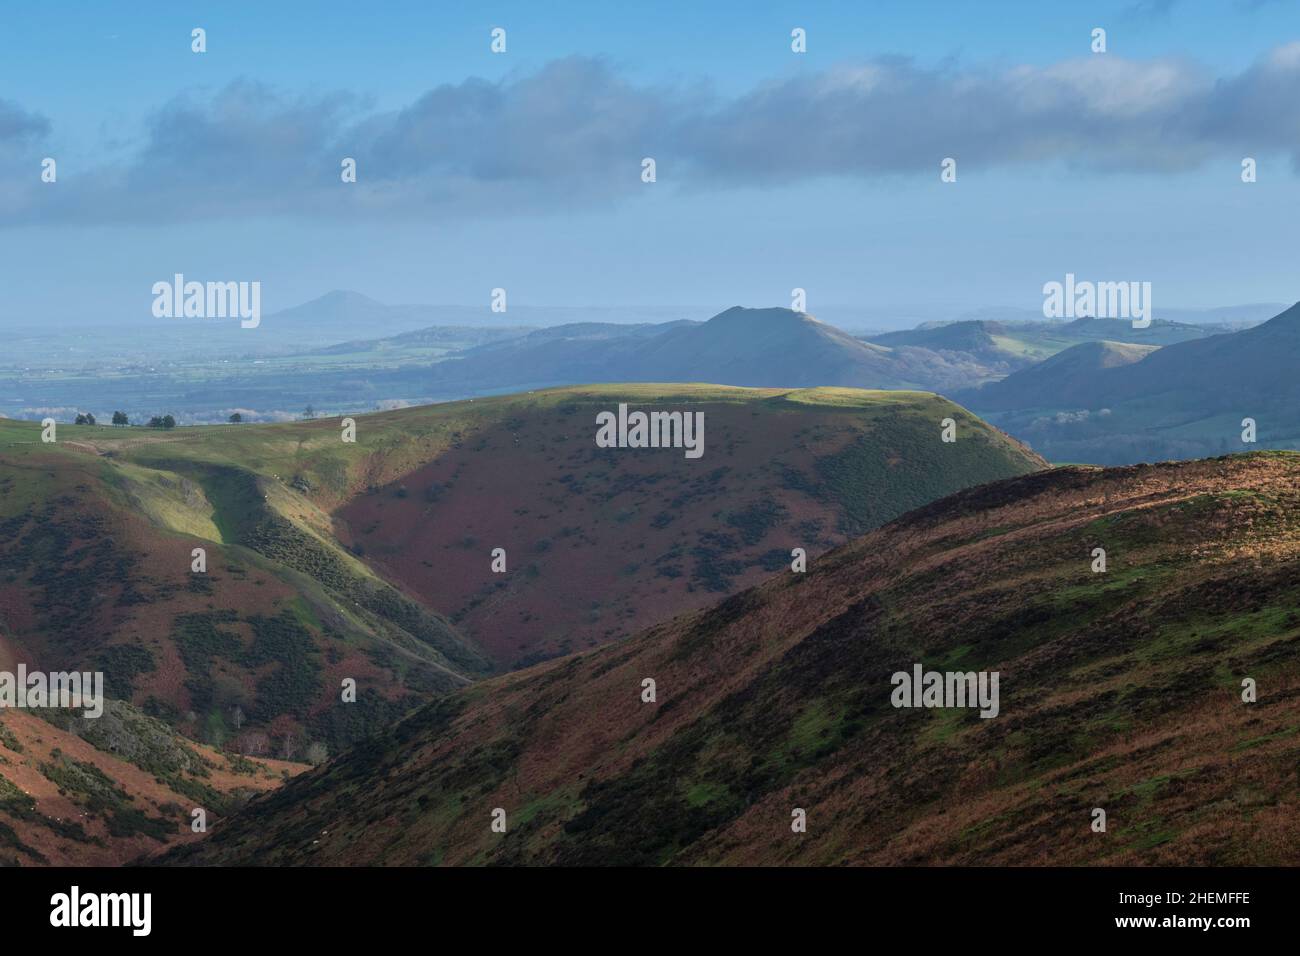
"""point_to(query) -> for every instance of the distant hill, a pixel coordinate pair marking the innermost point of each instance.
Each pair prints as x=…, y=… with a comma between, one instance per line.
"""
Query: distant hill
x=1069, y=376
x=567, y=354
x=975, y=336
x=747, y=347
x=1023, y=342
x=344, y=306
x=770, y=346
x=754, y=347
x=1229, y=316
x=1183, y=400
x=1221, y=318
x=1159, y=332
x=1118, y=690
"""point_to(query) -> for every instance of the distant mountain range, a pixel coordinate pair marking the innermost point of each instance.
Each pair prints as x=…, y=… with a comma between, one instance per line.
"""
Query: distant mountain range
x=352, y=314
x=753, y=346
x=1114, y=403
x=1093, y=390
x=775, y=347
x=1228, y=316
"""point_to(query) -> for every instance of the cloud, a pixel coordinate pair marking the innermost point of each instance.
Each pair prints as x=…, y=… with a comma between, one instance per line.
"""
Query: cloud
x=572, y=135
x=1152, y=8
x=895, y=117
x=18, y=126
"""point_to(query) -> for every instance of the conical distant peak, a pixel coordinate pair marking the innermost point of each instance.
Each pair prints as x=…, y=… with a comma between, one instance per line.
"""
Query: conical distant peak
x=774, y=315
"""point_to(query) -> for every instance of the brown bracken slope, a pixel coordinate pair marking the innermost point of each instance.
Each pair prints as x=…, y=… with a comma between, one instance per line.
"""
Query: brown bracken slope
x=601, y=543
x=76, y=792
x=1120, y=690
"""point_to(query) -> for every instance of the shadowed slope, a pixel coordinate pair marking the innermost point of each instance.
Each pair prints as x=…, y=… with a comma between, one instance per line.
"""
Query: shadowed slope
x=1184, y=400
x=1119, y=690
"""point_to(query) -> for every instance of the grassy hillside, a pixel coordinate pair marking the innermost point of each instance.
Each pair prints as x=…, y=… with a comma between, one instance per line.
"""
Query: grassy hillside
x=1119, y=690
x=95, y=573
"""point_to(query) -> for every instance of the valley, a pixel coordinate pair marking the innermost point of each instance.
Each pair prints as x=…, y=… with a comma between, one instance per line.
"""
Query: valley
x=372, y=562
x=1119, y=690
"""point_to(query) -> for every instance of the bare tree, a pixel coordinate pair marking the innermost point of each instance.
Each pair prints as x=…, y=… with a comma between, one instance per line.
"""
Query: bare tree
x=255, y=743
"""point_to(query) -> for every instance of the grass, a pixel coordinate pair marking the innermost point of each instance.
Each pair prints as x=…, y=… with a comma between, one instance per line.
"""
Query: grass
x=168, y=500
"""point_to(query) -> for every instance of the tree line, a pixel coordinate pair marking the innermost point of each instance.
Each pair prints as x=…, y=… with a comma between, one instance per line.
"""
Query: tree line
x=157, y=421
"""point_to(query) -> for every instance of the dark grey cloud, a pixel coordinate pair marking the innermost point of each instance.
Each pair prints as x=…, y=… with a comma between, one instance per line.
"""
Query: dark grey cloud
x=18, y=126
x=573, y=132
x=572, y=135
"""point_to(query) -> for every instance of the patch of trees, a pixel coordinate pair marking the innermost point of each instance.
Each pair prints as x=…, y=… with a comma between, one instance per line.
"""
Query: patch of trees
x=86, y=419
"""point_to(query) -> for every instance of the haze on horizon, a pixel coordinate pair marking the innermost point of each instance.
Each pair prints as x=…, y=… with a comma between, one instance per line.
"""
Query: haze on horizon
x=775, y=170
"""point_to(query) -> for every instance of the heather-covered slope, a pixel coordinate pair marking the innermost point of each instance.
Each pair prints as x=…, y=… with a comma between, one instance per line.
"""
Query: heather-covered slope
x=1119, y=690
x=602, y=542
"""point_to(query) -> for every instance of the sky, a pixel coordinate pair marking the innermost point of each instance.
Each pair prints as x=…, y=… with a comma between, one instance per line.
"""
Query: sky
x=522, y=170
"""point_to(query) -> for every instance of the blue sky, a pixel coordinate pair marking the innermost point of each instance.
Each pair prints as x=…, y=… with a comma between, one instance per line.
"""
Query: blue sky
x=521, y=170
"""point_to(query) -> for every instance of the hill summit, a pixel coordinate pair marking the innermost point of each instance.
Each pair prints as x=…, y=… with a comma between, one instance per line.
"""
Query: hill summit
x=740, y=346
